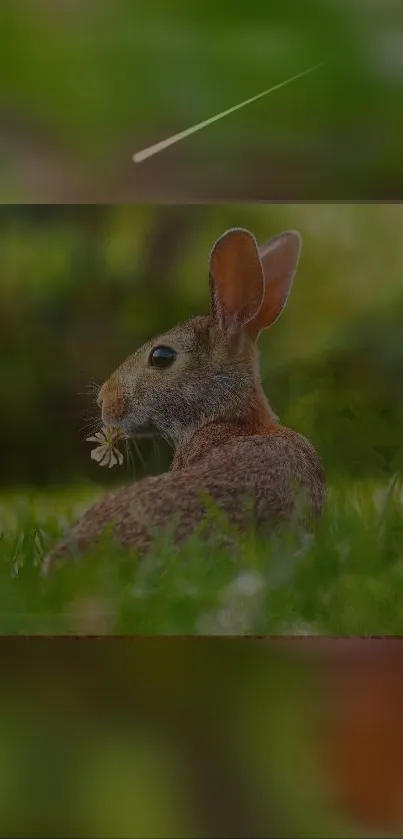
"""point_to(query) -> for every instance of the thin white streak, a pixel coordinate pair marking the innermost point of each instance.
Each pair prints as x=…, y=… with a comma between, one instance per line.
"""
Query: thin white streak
x=163, y=144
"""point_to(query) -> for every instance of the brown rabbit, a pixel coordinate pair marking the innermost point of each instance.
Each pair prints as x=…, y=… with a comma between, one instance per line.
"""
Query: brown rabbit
x=198, y=386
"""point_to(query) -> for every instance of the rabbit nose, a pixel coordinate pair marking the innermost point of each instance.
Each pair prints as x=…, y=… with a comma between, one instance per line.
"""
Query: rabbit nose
x=112, y=402
x=103, y=393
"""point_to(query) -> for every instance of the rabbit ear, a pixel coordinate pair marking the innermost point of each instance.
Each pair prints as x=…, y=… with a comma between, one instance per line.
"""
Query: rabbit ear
x=236, y=279
x=279, y=258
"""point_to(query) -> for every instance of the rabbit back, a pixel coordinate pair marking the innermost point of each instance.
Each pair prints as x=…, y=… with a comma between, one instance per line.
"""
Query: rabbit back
x=254, y=480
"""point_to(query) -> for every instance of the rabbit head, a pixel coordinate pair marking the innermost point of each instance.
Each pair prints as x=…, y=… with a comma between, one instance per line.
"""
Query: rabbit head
x=206, y=369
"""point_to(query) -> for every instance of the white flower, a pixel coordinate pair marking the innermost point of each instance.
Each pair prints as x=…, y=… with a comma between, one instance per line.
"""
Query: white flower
x=107, y=452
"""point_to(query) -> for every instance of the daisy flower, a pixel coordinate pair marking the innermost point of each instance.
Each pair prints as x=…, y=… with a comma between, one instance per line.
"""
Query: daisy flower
x=107, y=452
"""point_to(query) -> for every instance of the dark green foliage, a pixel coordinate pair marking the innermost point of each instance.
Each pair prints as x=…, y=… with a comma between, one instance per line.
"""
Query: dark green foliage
x=346, y=580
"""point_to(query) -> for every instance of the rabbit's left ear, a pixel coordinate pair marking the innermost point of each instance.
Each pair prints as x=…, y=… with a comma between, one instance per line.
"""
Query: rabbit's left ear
x=236, y=279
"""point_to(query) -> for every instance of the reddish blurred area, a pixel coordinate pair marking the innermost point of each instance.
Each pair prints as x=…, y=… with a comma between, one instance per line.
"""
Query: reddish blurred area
x=363, y=737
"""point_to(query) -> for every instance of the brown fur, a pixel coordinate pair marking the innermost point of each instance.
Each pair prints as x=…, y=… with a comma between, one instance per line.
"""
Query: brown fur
x=211, y=406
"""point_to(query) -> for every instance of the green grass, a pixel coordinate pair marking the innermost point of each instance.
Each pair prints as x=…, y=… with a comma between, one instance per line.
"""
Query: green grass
x=347, y=580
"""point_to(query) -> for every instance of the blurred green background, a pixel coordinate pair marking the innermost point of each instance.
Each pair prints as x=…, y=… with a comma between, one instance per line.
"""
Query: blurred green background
x=86, y=83
x=84, y=286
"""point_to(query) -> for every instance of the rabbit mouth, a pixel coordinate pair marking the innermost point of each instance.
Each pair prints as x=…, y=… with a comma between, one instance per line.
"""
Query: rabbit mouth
x=132, y=429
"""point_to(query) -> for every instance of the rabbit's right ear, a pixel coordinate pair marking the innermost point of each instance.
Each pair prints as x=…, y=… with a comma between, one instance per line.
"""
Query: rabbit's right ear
x=236, y=279
x=279, y=258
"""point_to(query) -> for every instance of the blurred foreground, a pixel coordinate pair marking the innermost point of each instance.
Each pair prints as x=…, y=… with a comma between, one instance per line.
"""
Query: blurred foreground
x=201, y=738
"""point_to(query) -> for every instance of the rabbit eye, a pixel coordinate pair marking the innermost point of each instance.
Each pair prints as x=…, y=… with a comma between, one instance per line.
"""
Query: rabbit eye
x=162, y=357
